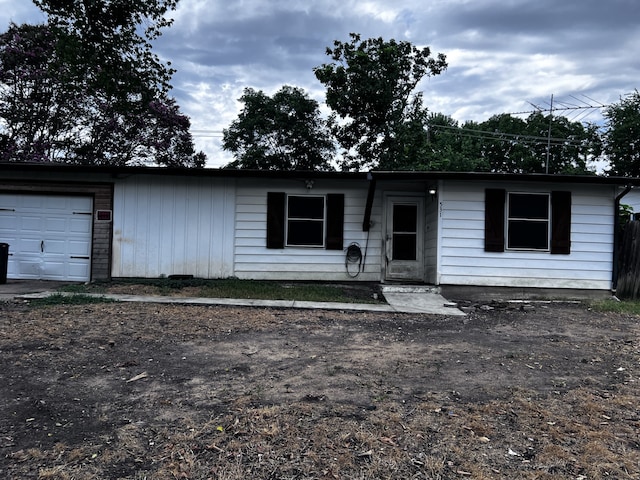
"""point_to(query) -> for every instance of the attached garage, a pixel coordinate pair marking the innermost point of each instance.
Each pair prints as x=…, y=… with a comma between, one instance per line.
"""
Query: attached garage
x=49, y=236
x=57, y=220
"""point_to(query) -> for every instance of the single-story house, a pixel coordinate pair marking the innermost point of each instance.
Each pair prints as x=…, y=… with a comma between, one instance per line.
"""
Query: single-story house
x=89, y=223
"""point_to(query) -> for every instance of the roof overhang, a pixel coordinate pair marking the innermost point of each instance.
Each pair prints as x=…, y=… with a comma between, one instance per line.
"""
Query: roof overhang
x=504, y=177
x=119, y=171
x=127, y=171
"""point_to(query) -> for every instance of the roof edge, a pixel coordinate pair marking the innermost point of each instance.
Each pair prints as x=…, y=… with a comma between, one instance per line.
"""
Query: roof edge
x=399, y=175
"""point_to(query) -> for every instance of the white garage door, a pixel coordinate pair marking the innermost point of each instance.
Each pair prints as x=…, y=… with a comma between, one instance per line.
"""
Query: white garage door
x=49, y=236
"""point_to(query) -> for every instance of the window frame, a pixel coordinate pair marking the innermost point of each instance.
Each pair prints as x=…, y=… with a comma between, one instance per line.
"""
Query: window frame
x=288, y=219
x=334, y=213
x=510, y=222
x=495, y=224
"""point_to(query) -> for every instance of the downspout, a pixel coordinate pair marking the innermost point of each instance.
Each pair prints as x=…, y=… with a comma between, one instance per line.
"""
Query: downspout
x=366, y=223
x=616, y=235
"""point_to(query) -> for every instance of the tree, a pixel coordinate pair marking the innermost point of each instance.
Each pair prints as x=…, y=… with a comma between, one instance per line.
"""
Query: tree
x=371, y=88
x=108, y=44
x=283, y=132
x=452, y=147
x=567, y=145
x=508, y=144
x=501, y=142
x=86, y=88
x=622, y=139
x=36, y=112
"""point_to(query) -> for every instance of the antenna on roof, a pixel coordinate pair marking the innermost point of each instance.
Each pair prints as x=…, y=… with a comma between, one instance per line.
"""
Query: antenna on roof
x=546, y=167
x=564, y=106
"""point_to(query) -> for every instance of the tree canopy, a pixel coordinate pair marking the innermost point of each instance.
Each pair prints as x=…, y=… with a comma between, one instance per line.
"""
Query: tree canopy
x=622, y=138
x=379, y=121
x=508, y=144
x=371, y=88
x=282, y=132
x=86, y=88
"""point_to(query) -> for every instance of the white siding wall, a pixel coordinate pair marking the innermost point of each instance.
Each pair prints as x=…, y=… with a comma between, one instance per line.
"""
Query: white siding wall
x=431, y=239
x=173, y=226
x=464, y=262
x=254, y=261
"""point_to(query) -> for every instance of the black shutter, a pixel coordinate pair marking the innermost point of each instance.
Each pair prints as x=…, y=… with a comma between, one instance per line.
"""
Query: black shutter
x=561, y=223
x=335, y=221
x=494, y=220
x=275, y=219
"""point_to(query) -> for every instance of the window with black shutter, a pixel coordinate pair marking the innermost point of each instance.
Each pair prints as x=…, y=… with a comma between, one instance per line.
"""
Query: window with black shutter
x=305, y=221
x=527, y=221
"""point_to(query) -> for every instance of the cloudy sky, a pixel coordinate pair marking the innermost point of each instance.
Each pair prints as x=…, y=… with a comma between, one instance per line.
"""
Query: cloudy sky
x=504, y=56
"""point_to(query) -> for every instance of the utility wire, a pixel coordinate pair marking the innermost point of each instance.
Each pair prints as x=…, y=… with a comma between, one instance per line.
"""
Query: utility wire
x=511, y=137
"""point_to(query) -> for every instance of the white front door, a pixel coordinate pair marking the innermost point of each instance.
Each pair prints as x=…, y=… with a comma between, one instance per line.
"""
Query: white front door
x=49, y=236
x=404, y=239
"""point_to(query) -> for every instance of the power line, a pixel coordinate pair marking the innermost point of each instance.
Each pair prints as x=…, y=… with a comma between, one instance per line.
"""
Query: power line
x=510, y=137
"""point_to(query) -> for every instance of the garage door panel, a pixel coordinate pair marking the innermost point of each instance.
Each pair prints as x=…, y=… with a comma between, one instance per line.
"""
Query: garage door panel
x=44, y=232
x=28, y=268
x=30, y=224
x=33, y=201
x=78, y=271
x=83, y=204
x=54, y=270
x=8, y=222
x=55, y=247
x=80, y=225
x=58, y=225
x=79, y=248
x=26, y=245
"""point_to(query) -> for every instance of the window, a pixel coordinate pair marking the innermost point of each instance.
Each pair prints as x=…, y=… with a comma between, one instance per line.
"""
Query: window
x=405, y=231
x=528, y=221
x=305, y=221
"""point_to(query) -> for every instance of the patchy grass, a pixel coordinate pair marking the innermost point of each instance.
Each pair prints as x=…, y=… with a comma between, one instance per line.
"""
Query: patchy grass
x=616, y=306
x=235, y=288
x=75, y=299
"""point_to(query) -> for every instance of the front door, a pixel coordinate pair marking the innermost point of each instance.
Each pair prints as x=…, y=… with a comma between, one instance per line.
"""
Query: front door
x=404, y=243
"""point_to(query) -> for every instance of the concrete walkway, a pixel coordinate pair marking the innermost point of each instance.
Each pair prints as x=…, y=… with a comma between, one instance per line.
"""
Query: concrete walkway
x=400, y=299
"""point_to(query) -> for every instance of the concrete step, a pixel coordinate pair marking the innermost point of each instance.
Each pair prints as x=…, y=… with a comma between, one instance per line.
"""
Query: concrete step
x=410, y=289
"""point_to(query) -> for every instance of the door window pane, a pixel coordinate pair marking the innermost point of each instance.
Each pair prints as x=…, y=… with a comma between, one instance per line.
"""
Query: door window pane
x=405, y=218
x=404, y=246
x=405, y=228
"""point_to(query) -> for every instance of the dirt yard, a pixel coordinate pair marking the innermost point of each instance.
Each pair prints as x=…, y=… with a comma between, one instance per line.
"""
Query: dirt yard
x=137, y=391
